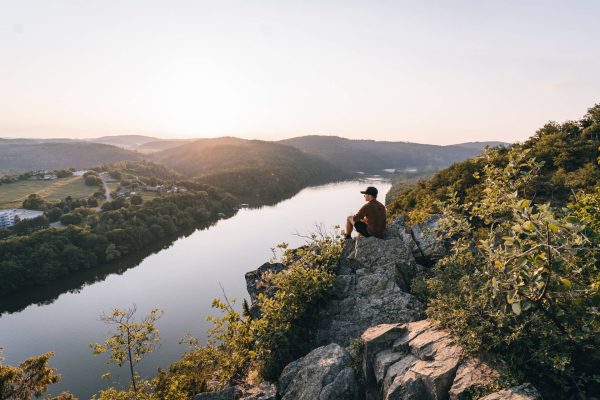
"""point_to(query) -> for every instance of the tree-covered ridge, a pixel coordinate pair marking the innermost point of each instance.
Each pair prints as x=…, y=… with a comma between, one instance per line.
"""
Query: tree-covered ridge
x=27, y=155
x=254, y=171
x=100, y=237
x=522, y=278
x=568, y=151
x=144, y=170
x=371, y=156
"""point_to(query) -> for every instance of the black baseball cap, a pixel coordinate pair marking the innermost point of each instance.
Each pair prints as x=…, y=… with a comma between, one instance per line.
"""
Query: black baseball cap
x=371, y=190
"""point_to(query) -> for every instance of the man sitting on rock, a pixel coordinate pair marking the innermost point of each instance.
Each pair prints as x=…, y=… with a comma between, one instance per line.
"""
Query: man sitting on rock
x=370, y=219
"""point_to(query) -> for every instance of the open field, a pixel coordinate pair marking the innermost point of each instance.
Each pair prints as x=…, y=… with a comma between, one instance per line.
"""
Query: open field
x=13, y=194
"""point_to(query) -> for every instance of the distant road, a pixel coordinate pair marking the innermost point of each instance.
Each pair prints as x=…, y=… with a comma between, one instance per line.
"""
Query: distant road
x=106, y=191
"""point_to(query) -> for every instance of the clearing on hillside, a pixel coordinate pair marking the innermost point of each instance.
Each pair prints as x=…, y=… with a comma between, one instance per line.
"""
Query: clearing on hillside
x=13, y=194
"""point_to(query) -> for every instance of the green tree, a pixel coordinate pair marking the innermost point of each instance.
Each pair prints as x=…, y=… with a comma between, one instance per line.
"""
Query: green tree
x=34, y=202
x=93, y=180
x=136, y=200
x=70, y=219
x=131, y=341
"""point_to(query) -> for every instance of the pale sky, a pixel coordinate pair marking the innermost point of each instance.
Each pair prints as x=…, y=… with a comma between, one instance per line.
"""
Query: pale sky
x=422, y=71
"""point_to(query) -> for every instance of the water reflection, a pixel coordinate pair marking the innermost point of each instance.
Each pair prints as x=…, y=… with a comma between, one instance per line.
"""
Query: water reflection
x=75, y=282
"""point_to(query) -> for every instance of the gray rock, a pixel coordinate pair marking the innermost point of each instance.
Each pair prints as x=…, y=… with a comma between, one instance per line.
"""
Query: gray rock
x=371, y=291
x=430, y=246
x=399, y=229
x=430, y=371
x=255, y=284
x=398, y=368
x=325, y=374
x=375, y=340
x=255, y=279
x=345, y=386
x=525, y=391
x=382, y=361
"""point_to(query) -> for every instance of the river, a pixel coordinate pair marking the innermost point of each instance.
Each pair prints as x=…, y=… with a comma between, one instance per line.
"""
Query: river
x=180, y=278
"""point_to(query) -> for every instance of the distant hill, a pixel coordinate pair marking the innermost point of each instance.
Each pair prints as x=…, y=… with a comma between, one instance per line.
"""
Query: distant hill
x=27, y=155
x=141, y=143
x=252, y=170
x=372, y=156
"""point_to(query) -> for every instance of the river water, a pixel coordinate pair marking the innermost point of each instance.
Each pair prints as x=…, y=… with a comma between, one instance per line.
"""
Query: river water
x=180, y=278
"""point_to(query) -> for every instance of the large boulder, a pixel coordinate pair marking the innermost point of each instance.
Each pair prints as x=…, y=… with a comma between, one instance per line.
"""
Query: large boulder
x=418, y=360
x=323, y=374
x=434, y=357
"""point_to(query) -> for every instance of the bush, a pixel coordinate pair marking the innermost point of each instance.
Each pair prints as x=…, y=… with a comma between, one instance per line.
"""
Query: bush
x=70, y=219
x=34, y=202
x=93, y=180
x=241, y=348
x=522, y=280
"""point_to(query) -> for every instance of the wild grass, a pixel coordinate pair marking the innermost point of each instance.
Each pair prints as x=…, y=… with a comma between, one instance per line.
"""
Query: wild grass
x=13, y=194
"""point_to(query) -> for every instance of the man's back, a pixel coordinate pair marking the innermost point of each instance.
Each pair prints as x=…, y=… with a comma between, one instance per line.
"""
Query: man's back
x=375, y=214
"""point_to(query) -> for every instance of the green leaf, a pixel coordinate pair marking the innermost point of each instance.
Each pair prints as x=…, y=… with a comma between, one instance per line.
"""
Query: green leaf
x=529, y=226
x=553, y=228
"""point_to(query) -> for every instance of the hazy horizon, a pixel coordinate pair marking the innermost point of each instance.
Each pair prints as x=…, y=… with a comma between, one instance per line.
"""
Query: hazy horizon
x=427, y=72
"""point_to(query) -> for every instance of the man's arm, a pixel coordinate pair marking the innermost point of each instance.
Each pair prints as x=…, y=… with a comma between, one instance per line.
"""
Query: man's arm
x=362, y=213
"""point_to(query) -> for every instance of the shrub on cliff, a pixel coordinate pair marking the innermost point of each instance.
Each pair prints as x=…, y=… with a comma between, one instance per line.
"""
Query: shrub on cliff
x=241, y=348
x=523, y=279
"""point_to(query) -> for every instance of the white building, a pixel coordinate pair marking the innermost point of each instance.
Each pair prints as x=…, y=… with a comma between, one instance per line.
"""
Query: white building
x=7, y=218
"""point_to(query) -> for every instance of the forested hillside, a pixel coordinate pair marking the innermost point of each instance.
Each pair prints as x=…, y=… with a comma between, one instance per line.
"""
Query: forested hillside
x=521, y=281
x=28, y=155
x=252, y=170
x=372, y=156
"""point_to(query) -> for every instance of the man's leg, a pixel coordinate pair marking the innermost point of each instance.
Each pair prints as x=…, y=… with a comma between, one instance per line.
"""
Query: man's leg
x=349, y=226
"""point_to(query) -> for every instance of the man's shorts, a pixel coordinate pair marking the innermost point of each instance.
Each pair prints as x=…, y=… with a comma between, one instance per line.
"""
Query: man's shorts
x=361, y=228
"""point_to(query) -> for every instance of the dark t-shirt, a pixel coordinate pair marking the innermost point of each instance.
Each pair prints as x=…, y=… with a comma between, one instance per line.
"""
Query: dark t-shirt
x=374, y=211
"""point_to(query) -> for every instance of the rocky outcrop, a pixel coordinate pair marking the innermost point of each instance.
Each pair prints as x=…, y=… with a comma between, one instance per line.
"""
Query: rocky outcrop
x=323, y=374
x=419, y=361
x=404, y=356
x=371, y=288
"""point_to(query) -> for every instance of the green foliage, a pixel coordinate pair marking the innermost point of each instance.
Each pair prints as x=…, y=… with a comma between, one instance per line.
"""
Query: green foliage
x=522, y=279
x=568, y=153
x=34, y=202
x=70, y=219
x=356, y=349
x=93, y=180
x=136, y=200
x=63, y=173
x=241, y=348
x=132, y=340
